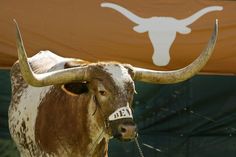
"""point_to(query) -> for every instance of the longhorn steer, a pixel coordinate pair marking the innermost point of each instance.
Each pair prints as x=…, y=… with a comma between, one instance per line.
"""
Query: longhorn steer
x=161, y=30
x=71, y=108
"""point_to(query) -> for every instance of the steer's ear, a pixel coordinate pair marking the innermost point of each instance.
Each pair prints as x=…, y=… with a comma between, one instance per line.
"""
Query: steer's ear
x=75, y=88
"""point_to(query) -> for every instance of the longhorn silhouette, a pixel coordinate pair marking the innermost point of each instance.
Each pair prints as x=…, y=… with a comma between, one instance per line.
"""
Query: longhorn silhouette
x=161, y=30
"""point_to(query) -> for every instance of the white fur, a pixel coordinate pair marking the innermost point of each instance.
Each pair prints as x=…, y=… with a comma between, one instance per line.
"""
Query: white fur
x=26, y=111
x=119, y=74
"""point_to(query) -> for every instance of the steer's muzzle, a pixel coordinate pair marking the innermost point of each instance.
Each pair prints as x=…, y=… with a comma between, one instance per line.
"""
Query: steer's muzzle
x=125, y=130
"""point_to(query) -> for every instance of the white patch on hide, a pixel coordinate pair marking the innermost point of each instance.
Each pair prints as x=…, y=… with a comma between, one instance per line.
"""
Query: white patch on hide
x=119, y=74
x=26, y=112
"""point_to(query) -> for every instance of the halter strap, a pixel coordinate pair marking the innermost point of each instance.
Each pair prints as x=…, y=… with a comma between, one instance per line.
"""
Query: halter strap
x=121, y=113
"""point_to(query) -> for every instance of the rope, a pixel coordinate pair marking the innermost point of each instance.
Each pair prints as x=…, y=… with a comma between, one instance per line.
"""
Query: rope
x=91, y=151
x=139, y=148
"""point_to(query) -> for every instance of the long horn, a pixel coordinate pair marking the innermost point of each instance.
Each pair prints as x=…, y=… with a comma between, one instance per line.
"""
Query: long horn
x=189, y=20
x=175, y=76
x=131, y=16
x=49, y=78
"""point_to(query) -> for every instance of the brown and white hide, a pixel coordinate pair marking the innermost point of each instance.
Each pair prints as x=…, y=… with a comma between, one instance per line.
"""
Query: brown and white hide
x=51, y=122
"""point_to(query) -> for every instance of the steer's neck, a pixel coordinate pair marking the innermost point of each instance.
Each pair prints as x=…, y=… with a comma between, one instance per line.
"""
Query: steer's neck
x=67, y=127
x=98, y=146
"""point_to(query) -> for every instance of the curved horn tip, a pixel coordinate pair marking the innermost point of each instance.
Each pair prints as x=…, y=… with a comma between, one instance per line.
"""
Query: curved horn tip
x=17, y=31
x=14, y=20
x=17, y=27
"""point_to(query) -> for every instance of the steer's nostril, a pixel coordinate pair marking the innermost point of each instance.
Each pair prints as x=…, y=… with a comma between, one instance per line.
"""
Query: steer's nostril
x=123, y=130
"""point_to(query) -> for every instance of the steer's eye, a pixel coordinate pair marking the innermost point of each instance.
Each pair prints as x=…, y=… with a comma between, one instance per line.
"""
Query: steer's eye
x=102, y=92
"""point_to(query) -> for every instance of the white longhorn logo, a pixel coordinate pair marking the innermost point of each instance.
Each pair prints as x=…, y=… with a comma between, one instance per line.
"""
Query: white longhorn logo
x=161, y=30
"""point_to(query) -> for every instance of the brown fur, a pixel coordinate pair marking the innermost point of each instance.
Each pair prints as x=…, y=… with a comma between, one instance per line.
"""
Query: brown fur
x=62, y=120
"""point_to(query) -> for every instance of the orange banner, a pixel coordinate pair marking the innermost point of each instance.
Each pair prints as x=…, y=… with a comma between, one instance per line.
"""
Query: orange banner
x=160, y=35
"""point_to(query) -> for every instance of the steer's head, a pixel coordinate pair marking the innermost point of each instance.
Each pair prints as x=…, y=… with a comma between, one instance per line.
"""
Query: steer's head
x=112, y=88
x=111, y=85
